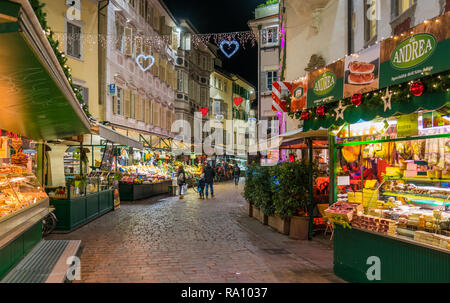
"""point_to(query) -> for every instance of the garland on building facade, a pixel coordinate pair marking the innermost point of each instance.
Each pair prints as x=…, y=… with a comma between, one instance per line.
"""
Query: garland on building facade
x=382, y=100
x=62, y=59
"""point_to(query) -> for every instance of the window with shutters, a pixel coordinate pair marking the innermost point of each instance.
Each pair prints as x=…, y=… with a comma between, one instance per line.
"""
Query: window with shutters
x=139, y=49
x=120, y=29
x=128, y=44
x=74, y=45
x=142, y=6
x=269, y=35
x=401, y=6
x=217, y=107
x=84, y=91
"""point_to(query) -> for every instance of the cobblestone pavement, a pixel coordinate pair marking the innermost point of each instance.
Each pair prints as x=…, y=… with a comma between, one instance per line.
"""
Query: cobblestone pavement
x=192, y=240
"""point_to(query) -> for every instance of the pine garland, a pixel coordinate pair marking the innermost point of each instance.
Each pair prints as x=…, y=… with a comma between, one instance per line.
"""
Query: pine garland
x=62, y=59
x=401, y=93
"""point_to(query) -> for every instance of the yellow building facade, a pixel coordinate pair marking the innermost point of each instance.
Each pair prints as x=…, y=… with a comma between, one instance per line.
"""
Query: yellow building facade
x=76, y=29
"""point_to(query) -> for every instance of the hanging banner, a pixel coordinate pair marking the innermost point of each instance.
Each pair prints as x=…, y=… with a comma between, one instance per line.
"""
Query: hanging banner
x=362, y=71
x=298, y=95
x=326, y=85
x=421, y=51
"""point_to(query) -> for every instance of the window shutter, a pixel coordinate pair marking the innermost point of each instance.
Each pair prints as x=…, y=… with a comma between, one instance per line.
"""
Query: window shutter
x=138, y=43
x=155, y=67
x=119, y=34
x=126, y=103
x=263, y=81
x=146, y=111
x=137, y=106
x=155, y=20
x=115, y=105
x=150, y=114
x=162, y=25
x=128, y=49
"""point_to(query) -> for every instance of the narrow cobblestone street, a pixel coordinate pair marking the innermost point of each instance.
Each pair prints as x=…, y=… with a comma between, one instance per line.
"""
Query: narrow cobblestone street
x=193, y=240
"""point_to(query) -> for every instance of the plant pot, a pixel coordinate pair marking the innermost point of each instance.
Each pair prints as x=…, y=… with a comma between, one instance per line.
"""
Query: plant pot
x=279, y=224
x=299, y=228
x=250, y=209
x=259, y=215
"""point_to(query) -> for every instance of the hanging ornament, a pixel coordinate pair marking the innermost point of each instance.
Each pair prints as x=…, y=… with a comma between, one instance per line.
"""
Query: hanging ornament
x=357, y=99
x=417, y=88
x=320, y=111
x=305, y=115
x=340, y=111
x=227, y=48
x=387, y=99
x=237, y=101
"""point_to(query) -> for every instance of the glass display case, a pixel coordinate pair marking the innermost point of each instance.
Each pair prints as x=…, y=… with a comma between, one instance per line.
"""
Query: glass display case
x=402, y=183
x=18, y=190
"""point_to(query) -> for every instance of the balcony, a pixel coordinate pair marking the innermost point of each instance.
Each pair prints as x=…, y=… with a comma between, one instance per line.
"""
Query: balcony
x=266, y=11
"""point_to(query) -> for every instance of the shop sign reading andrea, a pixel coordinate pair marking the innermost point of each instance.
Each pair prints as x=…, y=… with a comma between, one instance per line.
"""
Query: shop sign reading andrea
x=325, y=86
x=413, y=51
x=324, y=83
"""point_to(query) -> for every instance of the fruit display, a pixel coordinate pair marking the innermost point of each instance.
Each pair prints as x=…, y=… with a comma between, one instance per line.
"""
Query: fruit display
x=18, y=191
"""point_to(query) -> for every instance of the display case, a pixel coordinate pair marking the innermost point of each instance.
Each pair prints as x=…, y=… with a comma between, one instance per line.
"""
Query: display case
x=393, y=191
x=18, y=191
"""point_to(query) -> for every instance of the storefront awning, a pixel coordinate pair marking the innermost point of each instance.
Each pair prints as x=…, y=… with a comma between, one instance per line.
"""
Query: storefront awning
x=37, y=100
x=116, y=137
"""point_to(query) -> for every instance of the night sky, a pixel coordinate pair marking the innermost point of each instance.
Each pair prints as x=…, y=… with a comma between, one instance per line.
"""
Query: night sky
x=218, y=16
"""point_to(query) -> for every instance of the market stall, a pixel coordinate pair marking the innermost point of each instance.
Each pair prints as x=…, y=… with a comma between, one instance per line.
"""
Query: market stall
x=387, y=109
x=40, y=105
x=144, y=181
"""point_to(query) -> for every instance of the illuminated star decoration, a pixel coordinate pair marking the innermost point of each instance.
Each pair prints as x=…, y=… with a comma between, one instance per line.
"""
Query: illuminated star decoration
x=387, y=99
x=144, y=57
x=229, y=44
x=340, y=111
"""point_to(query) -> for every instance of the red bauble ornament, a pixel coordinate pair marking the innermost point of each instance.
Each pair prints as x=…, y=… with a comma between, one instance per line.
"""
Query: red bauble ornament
x=417, y=88
x=305, y=115
x=357, y=99
x=320, y=111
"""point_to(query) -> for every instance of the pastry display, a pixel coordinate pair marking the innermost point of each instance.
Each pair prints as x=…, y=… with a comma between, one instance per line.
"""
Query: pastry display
x=18, y=190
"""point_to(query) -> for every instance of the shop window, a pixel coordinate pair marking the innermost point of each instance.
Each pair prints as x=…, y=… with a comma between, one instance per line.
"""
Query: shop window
x=74, y=40
x=270, y=35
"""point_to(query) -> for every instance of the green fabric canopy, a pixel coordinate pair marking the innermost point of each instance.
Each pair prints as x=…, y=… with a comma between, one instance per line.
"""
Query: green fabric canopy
x=36, y=98
x=367, y=112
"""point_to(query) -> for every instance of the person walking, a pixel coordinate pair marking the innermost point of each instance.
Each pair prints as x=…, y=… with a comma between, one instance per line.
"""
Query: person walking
x=236, y=174
x=181, y=180
x=209, y=179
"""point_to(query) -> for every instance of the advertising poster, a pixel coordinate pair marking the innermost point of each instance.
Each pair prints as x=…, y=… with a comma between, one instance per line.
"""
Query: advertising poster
x=326, y=85
x=298, y=92
x=408, y=125
x=420, y=51
x=362, y=72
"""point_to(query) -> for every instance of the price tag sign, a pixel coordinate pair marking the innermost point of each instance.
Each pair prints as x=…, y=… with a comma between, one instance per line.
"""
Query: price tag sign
x=343, y=180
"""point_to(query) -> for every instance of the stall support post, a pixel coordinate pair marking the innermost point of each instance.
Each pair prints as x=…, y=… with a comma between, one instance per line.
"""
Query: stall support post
x=332, y=169
x=40, y=170
x=311, y=188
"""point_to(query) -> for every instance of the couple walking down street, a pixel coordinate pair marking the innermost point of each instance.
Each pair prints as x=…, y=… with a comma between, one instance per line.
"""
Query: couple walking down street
x=206, y=180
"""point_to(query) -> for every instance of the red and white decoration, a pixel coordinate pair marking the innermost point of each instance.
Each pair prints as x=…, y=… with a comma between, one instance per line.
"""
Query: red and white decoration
x=279, y=90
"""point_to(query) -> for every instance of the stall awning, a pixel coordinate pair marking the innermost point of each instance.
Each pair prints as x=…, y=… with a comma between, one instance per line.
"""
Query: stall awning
x=116, y=137
x=36, y=99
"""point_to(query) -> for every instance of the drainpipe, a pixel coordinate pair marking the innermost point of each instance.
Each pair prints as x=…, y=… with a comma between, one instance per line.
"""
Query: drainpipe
x=349, y=27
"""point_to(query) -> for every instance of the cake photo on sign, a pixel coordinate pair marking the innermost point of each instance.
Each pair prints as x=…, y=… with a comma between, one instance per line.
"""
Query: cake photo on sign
x=362, y=71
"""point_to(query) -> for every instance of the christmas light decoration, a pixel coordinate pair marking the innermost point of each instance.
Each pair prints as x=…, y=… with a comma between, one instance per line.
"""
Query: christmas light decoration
x=204, y=111
x=340, y=111
x=387, y=99
x=226, y=48
x=144, y=58
x=237, y=101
